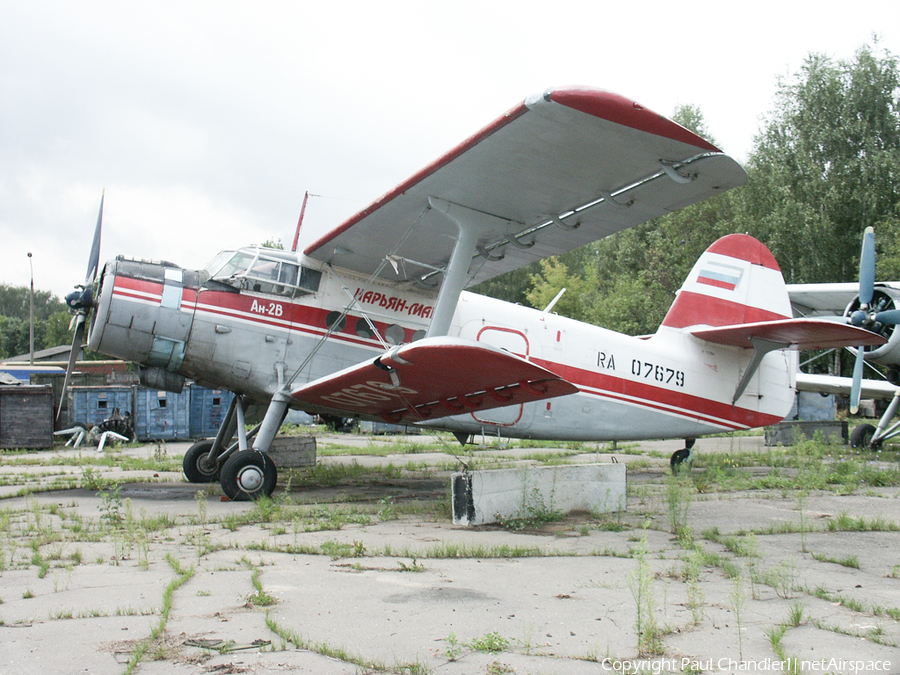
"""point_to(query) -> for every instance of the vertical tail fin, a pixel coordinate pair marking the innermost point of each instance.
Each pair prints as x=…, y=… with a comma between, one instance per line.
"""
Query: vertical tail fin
x=735, y=281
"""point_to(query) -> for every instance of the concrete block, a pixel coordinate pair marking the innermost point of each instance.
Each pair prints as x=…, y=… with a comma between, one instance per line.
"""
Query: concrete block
x=293, y=452
x=481, y=497
x=788, y=433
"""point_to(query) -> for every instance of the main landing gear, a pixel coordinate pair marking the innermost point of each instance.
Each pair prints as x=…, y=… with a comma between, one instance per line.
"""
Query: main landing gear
x=245, y=473
x=867, y=437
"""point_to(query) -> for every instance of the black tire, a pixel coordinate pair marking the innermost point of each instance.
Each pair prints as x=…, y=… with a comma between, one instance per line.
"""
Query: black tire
x=678, y=459
x=248, y=475
x=194, y=464
x=862, y=437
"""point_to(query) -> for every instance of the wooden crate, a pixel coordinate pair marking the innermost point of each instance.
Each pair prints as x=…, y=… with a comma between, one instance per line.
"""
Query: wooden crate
x=26, y=417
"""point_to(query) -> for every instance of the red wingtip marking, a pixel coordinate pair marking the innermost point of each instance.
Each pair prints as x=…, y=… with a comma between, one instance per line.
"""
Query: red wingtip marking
x=624, y=111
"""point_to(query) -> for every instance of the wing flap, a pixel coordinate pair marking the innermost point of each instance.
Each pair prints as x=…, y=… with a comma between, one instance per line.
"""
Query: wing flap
x=430, y=379
x=588, y=158
x=798, y=333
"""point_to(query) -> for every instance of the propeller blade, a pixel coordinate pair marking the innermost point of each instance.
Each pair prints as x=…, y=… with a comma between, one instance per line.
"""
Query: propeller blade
x=867, y=268
x=94, y=260
x=81, y=320
x=857, y=380
x=890, y=317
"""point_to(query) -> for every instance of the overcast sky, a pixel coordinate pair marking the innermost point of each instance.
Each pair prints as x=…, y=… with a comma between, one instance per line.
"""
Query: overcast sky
x=206, y=121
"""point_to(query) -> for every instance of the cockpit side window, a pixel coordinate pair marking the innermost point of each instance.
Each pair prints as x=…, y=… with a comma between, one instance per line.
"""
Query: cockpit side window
x=254, y=270
x=309, y=279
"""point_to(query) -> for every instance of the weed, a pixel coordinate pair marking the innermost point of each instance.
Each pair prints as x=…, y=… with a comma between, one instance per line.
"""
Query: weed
x=259, y=598
x=795, y=617
x=738, y=599
x=846, y=561
x=111, y=507
x=695, y=597
x=414, y=566
x=454, y=647
x=91, y=479
x=490, y=643
x=640, y=581
x=679, y=494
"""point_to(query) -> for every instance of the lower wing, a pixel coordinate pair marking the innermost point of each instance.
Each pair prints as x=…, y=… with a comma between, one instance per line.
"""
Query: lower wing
x=430, y=379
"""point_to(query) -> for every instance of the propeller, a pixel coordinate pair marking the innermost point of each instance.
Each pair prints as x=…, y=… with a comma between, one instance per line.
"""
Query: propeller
x=81, y=301
x=865, y=316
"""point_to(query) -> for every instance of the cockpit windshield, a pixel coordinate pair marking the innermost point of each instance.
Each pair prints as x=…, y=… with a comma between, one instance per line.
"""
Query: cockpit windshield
x=264, y=271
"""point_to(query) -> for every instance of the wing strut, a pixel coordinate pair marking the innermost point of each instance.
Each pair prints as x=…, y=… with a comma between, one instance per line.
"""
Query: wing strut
x=472, y=225
x=761, y=347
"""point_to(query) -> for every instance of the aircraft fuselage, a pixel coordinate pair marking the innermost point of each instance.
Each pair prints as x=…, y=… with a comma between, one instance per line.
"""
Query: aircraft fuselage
x=251, y=334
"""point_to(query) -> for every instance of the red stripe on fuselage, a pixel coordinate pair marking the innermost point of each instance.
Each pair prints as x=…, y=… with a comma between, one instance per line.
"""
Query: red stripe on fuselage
x=311, y=320
x=667, y=400
x=239, y=307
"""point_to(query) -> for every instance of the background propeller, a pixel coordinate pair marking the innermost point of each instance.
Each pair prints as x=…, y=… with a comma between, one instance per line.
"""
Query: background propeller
x=865, y=316
x=81, y=302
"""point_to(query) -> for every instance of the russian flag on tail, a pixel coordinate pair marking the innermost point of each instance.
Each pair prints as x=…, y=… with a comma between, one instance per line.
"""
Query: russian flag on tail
x=720, y=276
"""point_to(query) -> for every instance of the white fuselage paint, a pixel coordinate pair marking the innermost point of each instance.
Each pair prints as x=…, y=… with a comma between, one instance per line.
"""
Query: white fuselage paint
x=669, y=384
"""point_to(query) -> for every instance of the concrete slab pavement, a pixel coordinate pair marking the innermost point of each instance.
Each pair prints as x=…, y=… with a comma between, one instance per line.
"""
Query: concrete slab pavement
x=362, y=577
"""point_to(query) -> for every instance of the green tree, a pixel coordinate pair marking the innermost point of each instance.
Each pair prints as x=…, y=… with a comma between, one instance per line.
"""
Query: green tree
x=14, y=302
x=56, y=330
x=13, y=336
x=826, y=165
x=553, y=277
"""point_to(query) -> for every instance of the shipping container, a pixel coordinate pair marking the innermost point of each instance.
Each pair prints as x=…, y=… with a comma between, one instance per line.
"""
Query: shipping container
x=92, y=405
x=208, y=409
x=26, y=417
x=162, y=415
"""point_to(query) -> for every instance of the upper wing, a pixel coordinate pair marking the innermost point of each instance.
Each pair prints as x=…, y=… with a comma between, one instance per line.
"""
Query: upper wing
x=821, y=299
x=828, y=299
x=555, y=172
x=429, y=379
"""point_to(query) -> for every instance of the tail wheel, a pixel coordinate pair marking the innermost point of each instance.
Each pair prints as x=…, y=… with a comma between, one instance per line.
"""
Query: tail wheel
x=678, y=459
x=249, y=475
x=862, y=438
x=196, y=465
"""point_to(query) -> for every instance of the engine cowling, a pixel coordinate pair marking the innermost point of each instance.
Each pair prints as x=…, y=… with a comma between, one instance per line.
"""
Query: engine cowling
x=143, y=313
x=884, y=299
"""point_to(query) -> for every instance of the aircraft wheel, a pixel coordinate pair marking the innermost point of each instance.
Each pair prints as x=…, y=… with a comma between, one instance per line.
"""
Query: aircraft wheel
x=862, y=437
x=248, y=475
x=678, y=459
x=195, y=466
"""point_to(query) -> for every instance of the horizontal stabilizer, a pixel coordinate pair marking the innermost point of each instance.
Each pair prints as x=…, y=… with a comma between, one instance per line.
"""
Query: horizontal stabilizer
x=796, y=333
x=430, y=379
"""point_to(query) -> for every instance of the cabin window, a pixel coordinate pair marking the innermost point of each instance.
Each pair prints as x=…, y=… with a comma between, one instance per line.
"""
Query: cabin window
x=335, y=321
x=394, y=334
x=364, y=330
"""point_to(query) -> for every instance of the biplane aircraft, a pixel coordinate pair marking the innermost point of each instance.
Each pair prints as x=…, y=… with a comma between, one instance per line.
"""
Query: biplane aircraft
x=372, y=320
x=876, y=307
